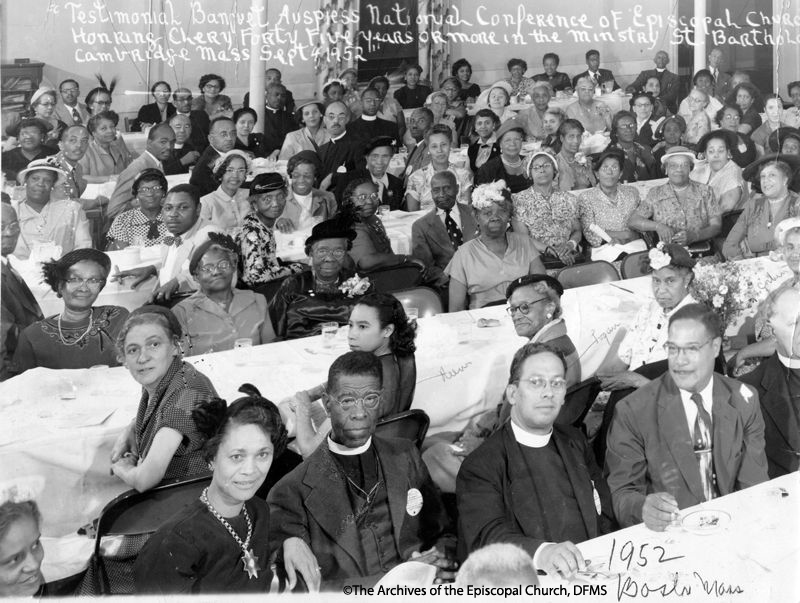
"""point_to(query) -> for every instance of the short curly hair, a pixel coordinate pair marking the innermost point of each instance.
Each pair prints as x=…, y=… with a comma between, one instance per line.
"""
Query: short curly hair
x=391, y=312
x=210, y=77
x=10, y=512
x=514, y=62
x=459, y=64
x=95, y=119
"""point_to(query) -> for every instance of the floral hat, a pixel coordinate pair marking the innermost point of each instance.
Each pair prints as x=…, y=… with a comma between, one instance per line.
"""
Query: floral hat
x=670, y=254
x=49, y=164
x=485, y=194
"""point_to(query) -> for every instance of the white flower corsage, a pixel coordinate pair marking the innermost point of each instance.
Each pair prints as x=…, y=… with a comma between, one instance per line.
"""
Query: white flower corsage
x=484, y=195
x=581, y=159
x=355, y=285
x=658, y=257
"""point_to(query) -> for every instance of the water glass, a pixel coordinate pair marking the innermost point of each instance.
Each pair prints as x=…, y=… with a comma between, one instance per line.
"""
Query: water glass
x=412, y=314
x=383, y=211
x=244, y=342
x=329, y=330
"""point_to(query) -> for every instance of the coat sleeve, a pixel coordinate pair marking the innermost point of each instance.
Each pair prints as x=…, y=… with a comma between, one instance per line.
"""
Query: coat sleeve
x=606, y=521
x=626, y=466
x=287, y=515
x=754, y=461
x=168, y=564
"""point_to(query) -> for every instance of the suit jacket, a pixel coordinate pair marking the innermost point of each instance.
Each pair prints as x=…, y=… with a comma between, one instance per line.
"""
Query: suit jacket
x=122, y=198
x=494, y=491
x=323, y=204
x=312, y=503
x=429, y=240
x=650, y=446
x=645, y=135
x=393, y=195
x=19, y=310
x=149, y=114
x=472, y=154
x=605, y=74
x=670, y=86
x=722, y=86
x=64, y=113
x=781, y=429
x=200, y=123
x=340, y=156
x=559, y=81
x=202, y=173
x=418, y=157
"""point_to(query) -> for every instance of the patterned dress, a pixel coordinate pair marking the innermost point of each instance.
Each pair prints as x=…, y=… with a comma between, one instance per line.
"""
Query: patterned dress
x=260, y=263
x=548, y=220
x=662, y=205
x=132, y=227
x=595, y=207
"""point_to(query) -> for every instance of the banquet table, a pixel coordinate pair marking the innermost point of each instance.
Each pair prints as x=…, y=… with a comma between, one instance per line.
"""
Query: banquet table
x=61, y=424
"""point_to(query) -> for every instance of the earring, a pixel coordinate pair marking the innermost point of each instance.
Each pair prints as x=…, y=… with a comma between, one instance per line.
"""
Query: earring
x=211, y=466
x=549, y=315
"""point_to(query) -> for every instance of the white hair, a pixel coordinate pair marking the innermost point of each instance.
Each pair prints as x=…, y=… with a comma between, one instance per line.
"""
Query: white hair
x=500, y=564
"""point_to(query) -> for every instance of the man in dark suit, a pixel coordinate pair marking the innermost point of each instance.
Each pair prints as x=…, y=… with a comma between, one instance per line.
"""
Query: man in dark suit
x=670, y=83
x=278, y=122
x=221, y=139
x=594, y=73
x=534, y=483
x=341, y=154
x=19, y=307
x=359, y=505
x=558, y=81
x=722, y=81
x=369, y=125
x=274, y=76
x=182, y=99
x=777, y=381
x=418, y=155
x=378, y=153
x=688, y=436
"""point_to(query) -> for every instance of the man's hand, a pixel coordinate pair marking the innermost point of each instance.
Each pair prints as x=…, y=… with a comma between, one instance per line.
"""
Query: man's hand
x=625, y=380
x=445, y=567
x=284, y=225
x=274, y=155
x=166, y=291
x=297, y=557
x=664, y=233
x=563, y=558
x=658, y=510
x=139, y=275
x=190, y=158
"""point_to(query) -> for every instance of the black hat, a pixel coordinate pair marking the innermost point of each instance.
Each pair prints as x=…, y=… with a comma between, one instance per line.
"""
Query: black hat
x=530, y=279
x=678, y=255
x=215, y=239
x=750, y=173
x=659, y=133
x=775, y=141
x=55, y=271
x=335, y=228
x=609, y=151
x=267, y=183
x=731, y=139
x=642, y=93
x=380, y=141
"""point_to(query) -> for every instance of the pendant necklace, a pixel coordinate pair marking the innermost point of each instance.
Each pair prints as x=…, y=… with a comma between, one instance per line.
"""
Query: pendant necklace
x=249, y=559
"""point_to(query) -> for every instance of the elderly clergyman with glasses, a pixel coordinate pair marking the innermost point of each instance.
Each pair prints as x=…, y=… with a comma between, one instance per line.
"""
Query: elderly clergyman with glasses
x=687, y=437
x=534, y=483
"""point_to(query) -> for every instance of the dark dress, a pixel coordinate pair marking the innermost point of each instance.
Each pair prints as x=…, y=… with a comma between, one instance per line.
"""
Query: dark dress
x=193, y=553
x=149, y=114
x=399, y=382
x=300, y=310
x=14, y=161
x=256, y=146
x=494, y=170
x=751, y=118
x=40, y=344
x=412, y=99
x=180, y=390
x=471, y=91
x=746, y=157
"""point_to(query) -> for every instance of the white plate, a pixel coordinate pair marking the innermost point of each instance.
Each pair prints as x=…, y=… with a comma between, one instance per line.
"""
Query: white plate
x=706, y=521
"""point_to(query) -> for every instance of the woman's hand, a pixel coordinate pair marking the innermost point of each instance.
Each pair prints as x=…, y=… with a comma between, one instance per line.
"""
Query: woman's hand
x=298, y=557
x=625, y=380
x=445, y=567
x=139, y=275
x=665, y=233
x=285, y=225
x=126, y=442
x=166, y=291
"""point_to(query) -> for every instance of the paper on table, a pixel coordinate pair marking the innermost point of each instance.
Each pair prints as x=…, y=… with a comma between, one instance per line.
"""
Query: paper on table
x=410, y=573
x=609, y=252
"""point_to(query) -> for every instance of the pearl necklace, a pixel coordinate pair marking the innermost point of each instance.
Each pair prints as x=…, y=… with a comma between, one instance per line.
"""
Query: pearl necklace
x=249, y=559
x=514, y=164
x=85, y=333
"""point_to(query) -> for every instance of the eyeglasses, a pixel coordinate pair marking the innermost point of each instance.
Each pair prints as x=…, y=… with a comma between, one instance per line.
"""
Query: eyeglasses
x=369, y=401
x=364, y=197
x=691, y=351
x=626, y=126
x=542, y=167
x=524, y=307
x=323, y=252
x=609, y=167
x=150, y=189
x=11, y=228
x=731, y=117
x=92, y=283
x=539, y=383
x=221, y=266
x=97, y=102
x=236, y=171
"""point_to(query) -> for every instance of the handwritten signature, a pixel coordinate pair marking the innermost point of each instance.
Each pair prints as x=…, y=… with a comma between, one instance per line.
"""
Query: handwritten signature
x=451, y=373
x=629, y=588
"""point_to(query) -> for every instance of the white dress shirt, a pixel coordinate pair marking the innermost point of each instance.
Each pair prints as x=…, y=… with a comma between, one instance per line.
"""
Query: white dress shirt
x=690, y=408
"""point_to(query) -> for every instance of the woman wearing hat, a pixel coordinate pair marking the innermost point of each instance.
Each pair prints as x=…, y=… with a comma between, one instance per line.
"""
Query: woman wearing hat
x=773, y=109
x=30, y=132
x=744, y=152
x=218, y=314
x=573, y=168
x=43, y=106
x=349, y=79
x=784, y=140
x=142, y=226
x=593, y=115
x=508, y=167
x=771, y=202
x=609, y=204
x=308, y=299
x=418, y=191
x=748, y=98
x=668, y=134
x=43, y=220
x=642, y=104
x=227, y=206
x=718, y=170
x=248, y=141
x=312, y=133
x=498, y=99
x=82, y=335
x=163, y=441
x=305, y=204
x=640, y=355
x=260, y=263
x=680, y=211
x=547, y=215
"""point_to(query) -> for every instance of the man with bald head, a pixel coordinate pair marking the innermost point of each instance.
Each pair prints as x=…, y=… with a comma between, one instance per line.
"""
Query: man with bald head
x=160, y=142
x=182, y=99
x=341, y=154
x=777, y=381
x=670, y=84
x=221, y=139
x=185, y=154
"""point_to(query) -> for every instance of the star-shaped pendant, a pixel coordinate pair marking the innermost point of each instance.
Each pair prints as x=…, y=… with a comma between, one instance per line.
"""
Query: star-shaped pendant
x=250, y=562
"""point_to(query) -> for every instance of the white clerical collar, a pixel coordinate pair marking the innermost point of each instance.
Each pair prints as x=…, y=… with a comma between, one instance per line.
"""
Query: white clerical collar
x=179, y=145
x=660, y=70
x=345, y=451
x=271, y=109
x=369, y=117
x=334, y=139
x=531, y=440
x=790, y=363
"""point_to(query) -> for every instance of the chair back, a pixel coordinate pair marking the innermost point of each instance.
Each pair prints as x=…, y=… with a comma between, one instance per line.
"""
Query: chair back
x=138, y=515
x=426, y=300
x=591, y=273
x=577, y=402
x=635, y=264
x=409, y=425
x=396, y=278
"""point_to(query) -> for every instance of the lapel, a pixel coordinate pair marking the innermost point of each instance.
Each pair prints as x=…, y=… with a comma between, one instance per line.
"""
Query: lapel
x=580, y=480
x=775, y=402
x=523, y=504
x=329, y=504
x=437, y=231
x=675, y=433
x=726, y=434
x=18, y=293
x=468, y=224
x=395, y=471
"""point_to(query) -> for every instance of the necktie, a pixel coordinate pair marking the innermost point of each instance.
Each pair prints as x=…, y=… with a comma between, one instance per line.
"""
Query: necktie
x=702, y=442
x=76, y=117
x=453, y=231
x=173, y=241
x=379, y=184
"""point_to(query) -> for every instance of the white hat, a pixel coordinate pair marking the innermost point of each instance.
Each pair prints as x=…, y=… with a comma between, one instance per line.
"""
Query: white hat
x=48, y=164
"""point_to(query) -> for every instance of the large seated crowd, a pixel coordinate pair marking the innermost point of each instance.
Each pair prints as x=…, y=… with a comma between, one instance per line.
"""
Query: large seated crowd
x=515, y=185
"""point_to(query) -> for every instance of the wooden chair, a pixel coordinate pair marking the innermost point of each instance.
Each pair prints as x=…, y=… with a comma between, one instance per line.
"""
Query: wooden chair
x=426, y=300
x=591, y=273
x=409, y=425
x=577, y=402
x=634, y=265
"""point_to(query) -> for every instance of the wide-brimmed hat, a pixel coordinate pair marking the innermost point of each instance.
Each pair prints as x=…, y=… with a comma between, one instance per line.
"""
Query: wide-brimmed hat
x=40, y=93
x=775, y=140
x=248, y=162
x=678, y=152
x=298, y=112
x=731, y=139
x=751, y=172
x=335, y=228
x=507, y=126
x=48, y=164
x=615, y=152
x=529, y=161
